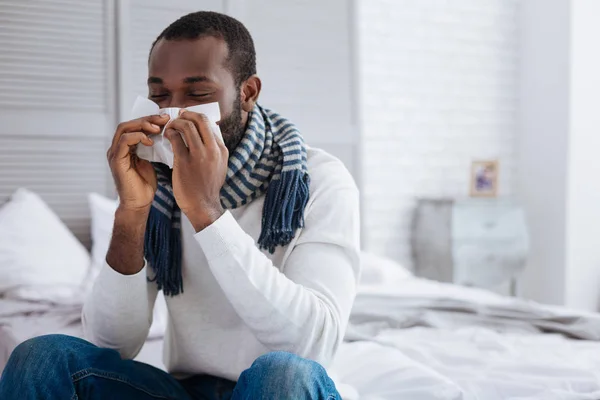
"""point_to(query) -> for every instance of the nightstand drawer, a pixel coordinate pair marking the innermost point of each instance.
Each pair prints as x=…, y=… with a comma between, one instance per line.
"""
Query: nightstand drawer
x=483, y=265
x=502, y=222
x=478, y=242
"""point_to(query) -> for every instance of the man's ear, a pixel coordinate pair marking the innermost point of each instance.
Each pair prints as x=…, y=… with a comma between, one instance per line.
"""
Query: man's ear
x=249, y=92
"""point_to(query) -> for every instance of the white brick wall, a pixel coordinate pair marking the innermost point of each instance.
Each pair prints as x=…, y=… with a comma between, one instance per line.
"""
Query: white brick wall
x=439, y=84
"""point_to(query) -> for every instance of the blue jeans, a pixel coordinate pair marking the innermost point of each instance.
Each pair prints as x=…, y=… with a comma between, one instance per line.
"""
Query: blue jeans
x=65, y=367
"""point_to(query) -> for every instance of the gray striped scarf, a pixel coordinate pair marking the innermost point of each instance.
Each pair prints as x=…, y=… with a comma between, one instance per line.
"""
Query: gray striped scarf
x=270, y=160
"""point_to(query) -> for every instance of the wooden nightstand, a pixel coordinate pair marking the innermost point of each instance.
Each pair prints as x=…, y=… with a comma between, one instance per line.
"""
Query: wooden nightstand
x=474, y=242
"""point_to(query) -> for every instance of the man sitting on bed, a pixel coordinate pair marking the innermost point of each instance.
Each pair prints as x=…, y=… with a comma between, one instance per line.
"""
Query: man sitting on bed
x=254, y=242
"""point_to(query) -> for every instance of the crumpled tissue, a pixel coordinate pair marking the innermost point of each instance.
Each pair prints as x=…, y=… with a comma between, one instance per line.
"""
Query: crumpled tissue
x=162, y=151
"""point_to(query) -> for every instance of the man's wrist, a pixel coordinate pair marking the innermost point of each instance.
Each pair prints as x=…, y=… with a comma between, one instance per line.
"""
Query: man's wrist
x=126, y=250
x=204, y=218
x=135, y=216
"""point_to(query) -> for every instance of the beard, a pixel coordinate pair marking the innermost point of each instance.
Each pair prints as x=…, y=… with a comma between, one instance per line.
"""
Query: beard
x=231, y=126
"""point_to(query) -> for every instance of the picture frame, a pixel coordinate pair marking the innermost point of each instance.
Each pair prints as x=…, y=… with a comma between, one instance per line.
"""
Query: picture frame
x=484, y=178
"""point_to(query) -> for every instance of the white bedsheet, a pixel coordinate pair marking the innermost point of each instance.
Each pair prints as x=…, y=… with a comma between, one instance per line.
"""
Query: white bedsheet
x=490, y=346
x=488, y=365
x=371, y=371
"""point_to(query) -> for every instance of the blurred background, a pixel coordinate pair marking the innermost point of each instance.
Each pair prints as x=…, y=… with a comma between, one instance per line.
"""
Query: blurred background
x=407, y=93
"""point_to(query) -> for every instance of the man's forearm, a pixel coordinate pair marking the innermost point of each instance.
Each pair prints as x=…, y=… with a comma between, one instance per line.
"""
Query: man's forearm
x=126, y=251
x=117, y=313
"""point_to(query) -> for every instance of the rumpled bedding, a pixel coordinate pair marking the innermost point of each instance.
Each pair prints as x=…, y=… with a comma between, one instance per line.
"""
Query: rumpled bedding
x=489, y=346
x=21, y=320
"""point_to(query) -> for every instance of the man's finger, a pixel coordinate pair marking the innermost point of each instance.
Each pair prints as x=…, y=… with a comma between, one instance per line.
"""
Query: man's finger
x=189, y=131
x=128, y=140
x=219, y=136
x=151, y=125
x=202, y=124
x=179, y=147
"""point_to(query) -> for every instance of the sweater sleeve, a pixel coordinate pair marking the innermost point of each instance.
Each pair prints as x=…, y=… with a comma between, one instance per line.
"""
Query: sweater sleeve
x=302, y=306
x=118, y=312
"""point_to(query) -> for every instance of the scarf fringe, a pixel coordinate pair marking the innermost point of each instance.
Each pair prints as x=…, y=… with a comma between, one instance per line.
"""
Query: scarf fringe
x=162, y=245
x=283, y=211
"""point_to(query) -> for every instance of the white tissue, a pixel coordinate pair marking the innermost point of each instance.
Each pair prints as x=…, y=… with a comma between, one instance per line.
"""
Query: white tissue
x=162, y=151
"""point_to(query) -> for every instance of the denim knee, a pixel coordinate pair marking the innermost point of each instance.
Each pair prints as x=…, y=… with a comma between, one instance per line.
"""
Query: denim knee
x=50, y=351
x=289, y=366
x=285, y=375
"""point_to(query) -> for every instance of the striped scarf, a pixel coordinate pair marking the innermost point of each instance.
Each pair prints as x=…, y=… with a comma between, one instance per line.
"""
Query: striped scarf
x=270, y=160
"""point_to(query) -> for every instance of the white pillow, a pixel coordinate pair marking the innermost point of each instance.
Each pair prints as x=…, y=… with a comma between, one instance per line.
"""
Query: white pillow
x=103, y=217
x=378, y=270
x=40, y=259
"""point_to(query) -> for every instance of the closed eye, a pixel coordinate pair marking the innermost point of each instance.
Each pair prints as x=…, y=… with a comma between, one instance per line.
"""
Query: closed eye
x=199, y=94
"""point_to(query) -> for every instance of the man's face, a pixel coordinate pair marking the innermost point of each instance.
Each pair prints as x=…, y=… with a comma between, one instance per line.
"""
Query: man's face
x=184, y=73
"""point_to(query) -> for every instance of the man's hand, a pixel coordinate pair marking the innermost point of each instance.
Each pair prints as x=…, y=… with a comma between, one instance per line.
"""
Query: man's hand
x=135, y=178
x=199, y=169
x=136, y=184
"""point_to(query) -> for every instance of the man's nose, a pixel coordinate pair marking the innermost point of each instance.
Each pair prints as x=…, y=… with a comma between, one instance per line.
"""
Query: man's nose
x=177, y=100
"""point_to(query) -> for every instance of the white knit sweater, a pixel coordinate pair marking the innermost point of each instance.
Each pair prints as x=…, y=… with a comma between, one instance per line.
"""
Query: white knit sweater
x=240, y=302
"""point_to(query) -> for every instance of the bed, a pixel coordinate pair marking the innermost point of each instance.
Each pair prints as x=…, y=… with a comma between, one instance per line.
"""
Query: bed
x=411, y=338
x=488, y=346
x=407, y=338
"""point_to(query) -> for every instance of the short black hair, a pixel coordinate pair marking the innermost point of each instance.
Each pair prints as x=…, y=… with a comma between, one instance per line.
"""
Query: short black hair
x=242, y=56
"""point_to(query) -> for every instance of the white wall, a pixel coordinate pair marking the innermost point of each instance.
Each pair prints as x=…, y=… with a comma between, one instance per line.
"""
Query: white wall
x=542, y=143
x=558, y=150
x=583, y=241
x=305, y=58
x=439, y=88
